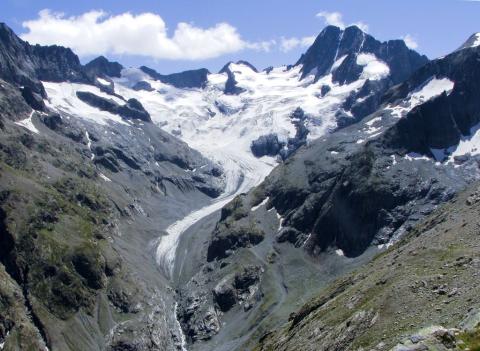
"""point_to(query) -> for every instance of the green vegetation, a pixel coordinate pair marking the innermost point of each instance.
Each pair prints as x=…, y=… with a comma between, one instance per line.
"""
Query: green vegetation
x=470, y=340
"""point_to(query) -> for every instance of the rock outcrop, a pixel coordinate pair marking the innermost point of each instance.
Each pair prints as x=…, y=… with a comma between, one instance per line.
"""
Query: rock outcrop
x=187, y=79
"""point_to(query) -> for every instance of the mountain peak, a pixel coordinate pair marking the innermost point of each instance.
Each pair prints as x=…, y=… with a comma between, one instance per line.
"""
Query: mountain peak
x=471, y=42
x=102, y=66
x=226, y=68
x=336, y=48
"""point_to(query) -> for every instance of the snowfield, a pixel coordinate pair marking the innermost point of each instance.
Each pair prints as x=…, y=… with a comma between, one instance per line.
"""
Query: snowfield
x=62, y=97
x=429, y=90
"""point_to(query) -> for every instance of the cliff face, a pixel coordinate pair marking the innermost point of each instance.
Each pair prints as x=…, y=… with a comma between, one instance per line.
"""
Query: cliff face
x=26, y=65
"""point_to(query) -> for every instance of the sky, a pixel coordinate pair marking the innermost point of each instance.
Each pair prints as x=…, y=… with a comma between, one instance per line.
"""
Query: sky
x=176, y=35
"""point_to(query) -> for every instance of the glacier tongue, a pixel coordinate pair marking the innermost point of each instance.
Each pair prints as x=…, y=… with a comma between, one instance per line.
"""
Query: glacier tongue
x=241, y=174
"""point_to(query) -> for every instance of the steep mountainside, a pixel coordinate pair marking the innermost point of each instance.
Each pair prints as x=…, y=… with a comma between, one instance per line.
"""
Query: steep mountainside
x=421, y=294
x=79, y=205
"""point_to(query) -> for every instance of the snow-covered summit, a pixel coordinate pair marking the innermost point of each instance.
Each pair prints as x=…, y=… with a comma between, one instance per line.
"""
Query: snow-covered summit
x=471, y=42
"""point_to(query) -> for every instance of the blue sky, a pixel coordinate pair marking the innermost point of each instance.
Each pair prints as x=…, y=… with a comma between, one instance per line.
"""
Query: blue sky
x=250, y=27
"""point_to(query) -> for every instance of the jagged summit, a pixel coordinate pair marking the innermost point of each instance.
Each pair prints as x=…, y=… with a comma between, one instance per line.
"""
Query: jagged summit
x=27, y=65
x=241, y=62
x=337, y=49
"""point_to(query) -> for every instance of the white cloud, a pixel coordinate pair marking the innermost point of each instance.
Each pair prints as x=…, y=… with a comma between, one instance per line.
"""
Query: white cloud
x=336, y=19
x=288, y=44
x=332, y=18
x=410, y=41
x=97, y=33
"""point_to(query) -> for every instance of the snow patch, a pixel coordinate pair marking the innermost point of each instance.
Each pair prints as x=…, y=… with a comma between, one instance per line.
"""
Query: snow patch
x=338, y=63
x=89, y=145
x=413, y=156
x=373, y=121
x=373, y=68
x=394, y=160
x=280, y=219
x=476, y=41
x=104, y=177
x=254, y=208
x=339, y=252
x=468, y=145
x=103, y=81
x=28, y=123
x=431, y=89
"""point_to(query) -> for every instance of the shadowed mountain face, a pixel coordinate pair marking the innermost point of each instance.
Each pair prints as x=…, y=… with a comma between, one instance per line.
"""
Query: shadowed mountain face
x=26, y=65
x=187, y=79
x=101, y=67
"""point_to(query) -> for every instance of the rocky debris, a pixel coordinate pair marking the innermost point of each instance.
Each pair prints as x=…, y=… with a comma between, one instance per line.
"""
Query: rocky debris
x=53, y=121
x=99, y=102
x=143, y=85
x=238, y=288
x=231, y=87
x=293, y=144
x=474, y=198
x=109, y=157
x=363, y=102
x=133, y=109
x=187, y=79
x=440, y=338
x=225, y=296
x=204, y=300
x=324, y=90
x=225, y=242
x=198, y=318
x=291, y=235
